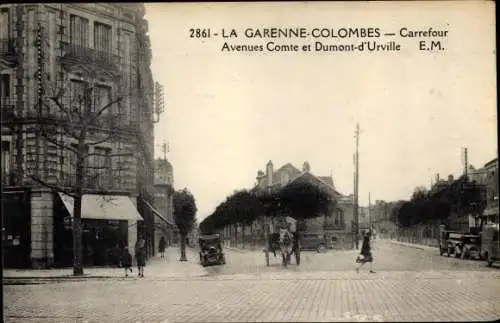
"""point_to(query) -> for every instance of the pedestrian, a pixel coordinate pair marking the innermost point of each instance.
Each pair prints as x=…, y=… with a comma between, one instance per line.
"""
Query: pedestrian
x=161, y=247
x=126, y=260
x=366, y=253
x=140, y=256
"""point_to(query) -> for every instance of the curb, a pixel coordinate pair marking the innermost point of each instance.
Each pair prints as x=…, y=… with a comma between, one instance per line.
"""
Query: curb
x=411, y=245
x=238, y=249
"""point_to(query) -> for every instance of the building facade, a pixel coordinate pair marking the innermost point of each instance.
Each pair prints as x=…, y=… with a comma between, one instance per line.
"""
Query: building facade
x=491, y=182
x=164, y=186
x=62, y=65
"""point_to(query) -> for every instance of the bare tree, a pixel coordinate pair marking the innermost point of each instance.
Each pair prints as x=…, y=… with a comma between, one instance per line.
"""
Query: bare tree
x=72, y=117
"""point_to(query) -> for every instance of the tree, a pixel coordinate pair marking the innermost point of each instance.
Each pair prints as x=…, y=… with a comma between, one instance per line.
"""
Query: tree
x=72, y=117
x=185, y=216
x=303, y=200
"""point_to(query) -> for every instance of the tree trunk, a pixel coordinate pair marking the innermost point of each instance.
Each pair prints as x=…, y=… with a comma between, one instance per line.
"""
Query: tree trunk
x=77, y=206
x=183, y=248
x=243, y=236
x=236, y=236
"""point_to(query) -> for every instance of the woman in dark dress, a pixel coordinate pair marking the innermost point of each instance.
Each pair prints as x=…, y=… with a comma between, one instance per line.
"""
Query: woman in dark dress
x=366, y=253
x=161, y=247
x=140, y=256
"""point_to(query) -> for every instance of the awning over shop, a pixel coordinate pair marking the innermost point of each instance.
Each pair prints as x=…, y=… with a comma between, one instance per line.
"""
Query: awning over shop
x=104, y=207
x=159, y=215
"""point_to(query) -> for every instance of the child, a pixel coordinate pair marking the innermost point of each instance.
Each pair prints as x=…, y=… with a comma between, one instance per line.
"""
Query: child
x=126, y=261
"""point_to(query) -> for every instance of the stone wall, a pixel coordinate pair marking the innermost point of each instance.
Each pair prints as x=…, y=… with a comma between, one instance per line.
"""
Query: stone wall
x=42, y=245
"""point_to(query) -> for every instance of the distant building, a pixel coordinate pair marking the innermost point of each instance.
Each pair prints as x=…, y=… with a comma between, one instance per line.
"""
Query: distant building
x=491, y=182
x=337, y=224
x=163, y=202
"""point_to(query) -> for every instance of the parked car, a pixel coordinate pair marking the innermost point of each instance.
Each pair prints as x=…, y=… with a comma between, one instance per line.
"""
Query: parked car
x=312, y=241
x=470, y=246
x=445, y=244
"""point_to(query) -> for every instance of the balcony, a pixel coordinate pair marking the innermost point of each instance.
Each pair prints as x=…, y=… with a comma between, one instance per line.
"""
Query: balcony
x=86, y=55
x=7, y=51
x=8, y=109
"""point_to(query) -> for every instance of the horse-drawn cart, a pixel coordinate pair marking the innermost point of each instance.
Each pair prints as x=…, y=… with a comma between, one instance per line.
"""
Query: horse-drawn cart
x=285, y=241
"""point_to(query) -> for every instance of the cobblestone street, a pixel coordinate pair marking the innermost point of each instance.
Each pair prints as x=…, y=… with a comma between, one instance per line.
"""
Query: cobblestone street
x=430, y=288
x=385, y=296
x=388, y=257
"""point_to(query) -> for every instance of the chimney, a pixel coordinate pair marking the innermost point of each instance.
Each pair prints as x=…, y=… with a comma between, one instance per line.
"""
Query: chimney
x=306, y=167
x=450, y=179
x=269, y=173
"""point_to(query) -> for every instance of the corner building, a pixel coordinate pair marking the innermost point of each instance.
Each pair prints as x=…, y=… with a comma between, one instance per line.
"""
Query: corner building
x=65, y=46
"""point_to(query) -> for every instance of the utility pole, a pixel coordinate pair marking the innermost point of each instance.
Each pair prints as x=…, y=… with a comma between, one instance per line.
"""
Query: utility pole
x=356, y=185
x=466, y=162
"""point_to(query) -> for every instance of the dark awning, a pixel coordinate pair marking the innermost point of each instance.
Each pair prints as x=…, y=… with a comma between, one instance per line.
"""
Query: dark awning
x=159, y=215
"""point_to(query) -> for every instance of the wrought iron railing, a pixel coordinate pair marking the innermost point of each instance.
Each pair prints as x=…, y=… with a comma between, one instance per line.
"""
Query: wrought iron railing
x=105, y=58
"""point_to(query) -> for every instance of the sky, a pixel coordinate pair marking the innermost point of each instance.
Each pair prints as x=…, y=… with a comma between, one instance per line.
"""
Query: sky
x=228, y=114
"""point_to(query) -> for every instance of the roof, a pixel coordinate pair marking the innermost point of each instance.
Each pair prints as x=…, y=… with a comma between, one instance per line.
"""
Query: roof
x=161, y=162
x=491, y=162
x=327, y=179
x=289, y=168
x=318, y=178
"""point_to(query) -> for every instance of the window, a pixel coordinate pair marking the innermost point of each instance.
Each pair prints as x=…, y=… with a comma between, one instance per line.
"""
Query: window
x=4, y=86
x=339, y=217
x=4, y=32
x=102, y=164
x=102, y=37
x=77, y=89
x=5, y=161
x=79, y=31
x=102, y=97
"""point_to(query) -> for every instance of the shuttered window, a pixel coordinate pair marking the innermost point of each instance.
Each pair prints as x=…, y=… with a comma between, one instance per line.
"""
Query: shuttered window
x=79, y=31
x=102, y=37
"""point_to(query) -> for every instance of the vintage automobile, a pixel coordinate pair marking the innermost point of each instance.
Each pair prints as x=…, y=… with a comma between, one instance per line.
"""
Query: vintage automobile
x=450, y=243
x=211, y=250
x=490, y=244
x=470, y=246
x=313, y=241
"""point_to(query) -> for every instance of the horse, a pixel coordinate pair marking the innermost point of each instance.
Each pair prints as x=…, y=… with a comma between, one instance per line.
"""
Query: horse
x=286, y=245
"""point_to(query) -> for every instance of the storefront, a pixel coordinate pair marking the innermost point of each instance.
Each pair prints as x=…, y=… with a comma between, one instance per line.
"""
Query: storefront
x=16, y=234
x=109, y=223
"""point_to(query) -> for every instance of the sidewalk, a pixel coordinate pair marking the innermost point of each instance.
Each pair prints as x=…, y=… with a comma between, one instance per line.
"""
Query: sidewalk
x=156, y=267
x=412, y=245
